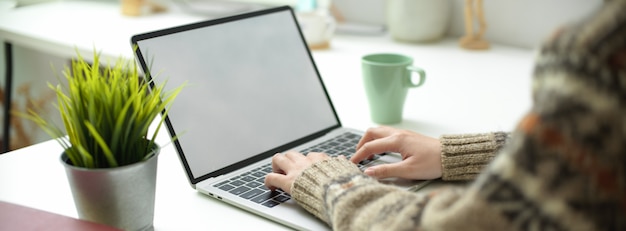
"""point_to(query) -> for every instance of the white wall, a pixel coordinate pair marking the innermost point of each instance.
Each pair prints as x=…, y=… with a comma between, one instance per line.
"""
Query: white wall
x=523, y=23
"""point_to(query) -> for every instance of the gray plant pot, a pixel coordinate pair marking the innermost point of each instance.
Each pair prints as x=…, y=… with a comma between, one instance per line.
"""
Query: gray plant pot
x=121, y=197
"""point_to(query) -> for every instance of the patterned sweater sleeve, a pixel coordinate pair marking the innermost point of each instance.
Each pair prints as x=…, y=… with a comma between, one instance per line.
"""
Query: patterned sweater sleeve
x=463, y=157
x=563, y=168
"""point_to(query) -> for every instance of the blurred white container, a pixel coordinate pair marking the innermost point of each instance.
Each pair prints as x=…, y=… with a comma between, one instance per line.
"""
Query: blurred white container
x=418, y=20
x=318, y=28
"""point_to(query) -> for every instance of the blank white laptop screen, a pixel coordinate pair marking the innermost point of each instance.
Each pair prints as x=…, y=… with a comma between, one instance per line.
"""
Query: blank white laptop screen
x=251, y=87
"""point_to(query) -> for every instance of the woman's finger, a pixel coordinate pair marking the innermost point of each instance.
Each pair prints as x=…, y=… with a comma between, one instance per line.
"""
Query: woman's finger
x=294, y=156
x=382, y=171
x=279, y=161
x=373, y=134
x=276, y=180
x=378, y=146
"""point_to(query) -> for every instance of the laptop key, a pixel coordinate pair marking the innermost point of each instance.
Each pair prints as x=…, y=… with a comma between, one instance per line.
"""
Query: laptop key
x=265, y=196
x=237, y=183
x=248, y=178
x=259, y=174
x=271, y=203
x=239, y=190
x=252, y=193
x=221, y=183
x=226, y=187
x=282, y=198
x=253, y=184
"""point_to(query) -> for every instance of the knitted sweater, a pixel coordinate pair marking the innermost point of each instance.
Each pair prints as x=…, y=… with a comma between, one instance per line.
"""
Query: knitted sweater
x=563, y=168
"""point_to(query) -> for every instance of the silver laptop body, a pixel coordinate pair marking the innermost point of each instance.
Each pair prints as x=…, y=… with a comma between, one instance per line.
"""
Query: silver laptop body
x=253, y=90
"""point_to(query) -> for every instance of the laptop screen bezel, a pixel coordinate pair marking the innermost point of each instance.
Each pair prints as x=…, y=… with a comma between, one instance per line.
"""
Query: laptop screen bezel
x=260, y=156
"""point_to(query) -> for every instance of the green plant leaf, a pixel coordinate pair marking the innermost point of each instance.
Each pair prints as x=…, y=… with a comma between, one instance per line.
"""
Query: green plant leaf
x=106, y=112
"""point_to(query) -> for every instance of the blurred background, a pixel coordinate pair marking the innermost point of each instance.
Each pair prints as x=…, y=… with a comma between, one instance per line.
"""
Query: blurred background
x=517, y=23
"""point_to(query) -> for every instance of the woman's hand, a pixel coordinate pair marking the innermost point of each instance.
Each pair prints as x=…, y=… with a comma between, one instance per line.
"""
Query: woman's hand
x=421, y=154
x=421, y=158
x=287, y=167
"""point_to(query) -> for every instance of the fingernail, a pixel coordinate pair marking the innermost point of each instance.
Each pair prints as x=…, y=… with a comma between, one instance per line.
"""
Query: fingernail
x=369, y=171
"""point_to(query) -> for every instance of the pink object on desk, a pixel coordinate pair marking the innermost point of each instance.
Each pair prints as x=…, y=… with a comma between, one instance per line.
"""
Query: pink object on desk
x=17, y=217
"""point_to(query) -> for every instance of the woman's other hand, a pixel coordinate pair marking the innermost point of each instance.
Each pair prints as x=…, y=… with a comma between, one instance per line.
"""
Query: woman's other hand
x=421, y=155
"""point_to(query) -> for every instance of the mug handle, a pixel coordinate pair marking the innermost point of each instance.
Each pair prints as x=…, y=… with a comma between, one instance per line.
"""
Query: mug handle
x=418, y=70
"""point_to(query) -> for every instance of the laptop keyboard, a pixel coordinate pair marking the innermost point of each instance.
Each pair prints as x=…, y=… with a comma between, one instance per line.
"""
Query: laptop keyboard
x=250, y=185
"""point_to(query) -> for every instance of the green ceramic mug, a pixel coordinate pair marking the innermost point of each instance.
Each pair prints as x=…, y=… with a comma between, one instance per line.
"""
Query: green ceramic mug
x=387, y=79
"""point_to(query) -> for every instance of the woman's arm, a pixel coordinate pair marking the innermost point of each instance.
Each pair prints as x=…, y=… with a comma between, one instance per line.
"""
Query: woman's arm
x=451, y=157
x=562, y=169
x=463, y=157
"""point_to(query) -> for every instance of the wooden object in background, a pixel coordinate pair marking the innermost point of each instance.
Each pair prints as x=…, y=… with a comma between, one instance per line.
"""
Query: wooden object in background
x=140, y=7
x=474, y=40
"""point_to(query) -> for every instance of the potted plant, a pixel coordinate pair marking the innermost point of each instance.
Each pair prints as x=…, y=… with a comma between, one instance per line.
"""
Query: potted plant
x=109, y=157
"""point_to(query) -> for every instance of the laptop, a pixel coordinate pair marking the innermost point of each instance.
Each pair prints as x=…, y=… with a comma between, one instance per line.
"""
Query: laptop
x=252, y=90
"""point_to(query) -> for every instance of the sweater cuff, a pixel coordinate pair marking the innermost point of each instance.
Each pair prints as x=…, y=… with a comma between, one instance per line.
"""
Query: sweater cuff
x=309, y=188
x=463, y=157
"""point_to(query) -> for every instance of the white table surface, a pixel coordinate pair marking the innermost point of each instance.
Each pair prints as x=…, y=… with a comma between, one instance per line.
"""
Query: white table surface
x=465, y=91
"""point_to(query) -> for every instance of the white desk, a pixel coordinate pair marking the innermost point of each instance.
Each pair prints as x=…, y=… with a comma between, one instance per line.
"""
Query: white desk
x=464, y=92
